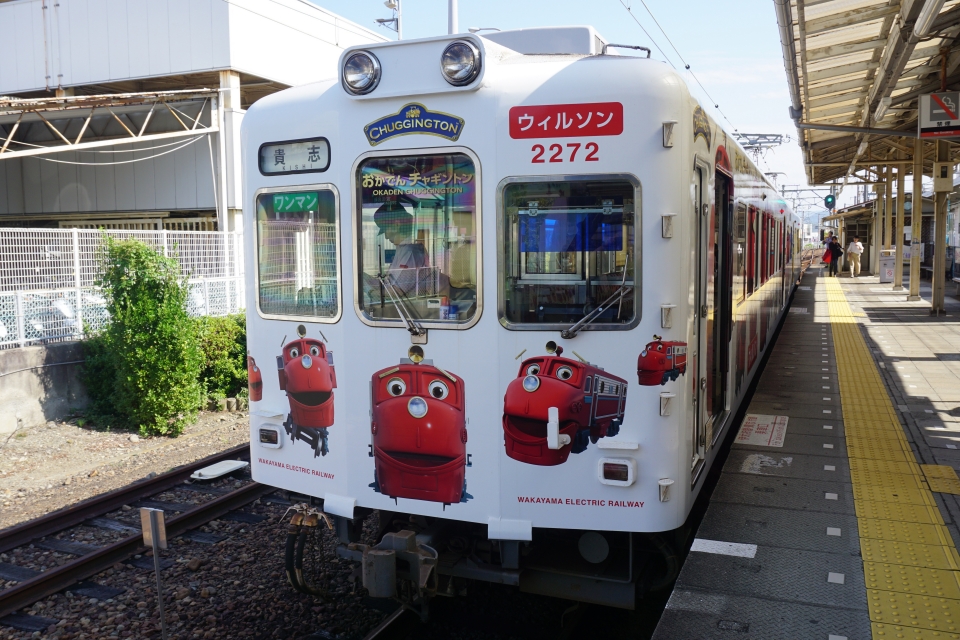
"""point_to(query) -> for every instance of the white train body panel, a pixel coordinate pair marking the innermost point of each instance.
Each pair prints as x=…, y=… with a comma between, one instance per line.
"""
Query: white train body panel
x=510, y=496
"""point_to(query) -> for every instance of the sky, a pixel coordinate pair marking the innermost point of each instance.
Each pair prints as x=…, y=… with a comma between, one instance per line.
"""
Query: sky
x=732, y=46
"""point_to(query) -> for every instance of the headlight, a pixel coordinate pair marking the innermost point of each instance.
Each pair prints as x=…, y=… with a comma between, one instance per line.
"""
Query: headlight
x=361, y=73
x=417, y=407
x=460, y=63
x=306, y=361
x=531, y=383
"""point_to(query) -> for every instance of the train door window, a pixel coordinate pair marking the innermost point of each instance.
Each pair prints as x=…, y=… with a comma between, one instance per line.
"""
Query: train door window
x=298, y=254
x=418, y=240
x=568, y=252
x=740, y=253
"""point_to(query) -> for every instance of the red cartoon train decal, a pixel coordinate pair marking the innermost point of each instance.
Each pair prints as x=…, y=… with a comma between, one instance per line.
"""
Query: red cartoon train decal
x=307, y=375
x=419, y=433
x=254, y=380
x=557, y=406
x=661, y=361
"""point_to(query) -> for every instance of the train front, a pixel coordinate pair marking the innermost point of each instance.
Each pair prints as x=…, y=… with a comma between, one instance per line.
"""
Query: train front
x=419, y=433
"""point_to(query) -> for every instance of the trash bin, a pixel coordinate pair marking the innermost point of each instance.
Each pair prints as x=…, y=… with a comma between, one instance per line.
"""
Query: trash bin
x=888, y=263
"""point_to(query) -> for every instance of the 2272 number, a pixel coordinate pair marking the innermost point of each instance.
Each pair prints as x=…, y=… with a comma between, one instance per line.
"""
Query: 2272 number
x=555, y=152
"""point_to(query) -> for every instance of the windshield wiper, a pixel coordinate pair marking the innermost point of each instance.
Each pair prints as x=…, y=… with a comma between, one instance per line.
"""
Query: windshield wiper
x=617, y=296
x=412, y=325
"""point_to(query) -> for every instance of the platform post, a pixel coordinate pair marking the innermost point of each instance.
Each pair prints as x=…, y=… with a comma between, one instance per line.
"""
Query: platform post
x=898, y=233
x=888, y=209
x=916, y=215
x=939, y=236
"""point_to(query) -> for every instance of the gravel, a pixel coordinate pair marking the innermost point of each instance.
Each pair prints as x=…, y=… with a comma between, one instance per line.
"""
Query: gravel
x=58, y=464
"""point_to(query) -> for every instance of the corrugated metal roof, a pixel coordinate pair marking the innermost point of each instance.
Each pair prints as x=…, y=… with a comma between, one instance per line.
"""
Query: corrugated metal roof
x=846, y=54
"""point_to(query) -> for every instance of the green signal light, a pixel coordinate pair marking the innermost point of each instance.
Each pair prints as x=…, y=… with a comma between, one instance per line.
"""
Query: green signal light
x=830, y=202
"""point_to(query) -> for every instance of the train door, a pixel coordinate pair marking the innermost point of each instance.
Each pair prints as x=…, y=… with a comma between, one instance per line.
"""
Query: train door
x=699, y=444
x=714, y=289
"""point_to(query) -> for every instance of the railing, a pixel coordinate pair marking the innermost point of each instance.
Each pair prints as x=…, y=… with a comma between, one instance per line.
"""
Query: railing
x=48, y=278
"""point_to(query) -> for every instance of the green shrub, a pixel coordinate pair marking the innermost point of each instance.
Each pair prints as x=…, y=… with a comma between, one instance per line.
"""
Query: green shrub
x=143, y=370
x=223, y=343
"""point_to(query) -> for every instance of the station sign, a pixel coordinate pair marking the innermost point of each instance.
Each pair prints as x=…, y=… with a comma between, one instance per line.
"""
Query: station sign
x=940, y=115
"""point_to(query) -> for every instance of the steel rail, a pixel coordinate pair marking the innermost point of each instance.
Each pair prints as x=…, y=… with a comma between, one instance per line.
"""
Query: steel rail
x=73, y=515
x=58, y=578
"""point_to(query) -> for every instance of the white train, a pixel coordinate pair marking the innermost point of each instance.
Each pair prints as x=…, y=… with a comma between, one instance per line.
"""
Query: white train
x=548, y=277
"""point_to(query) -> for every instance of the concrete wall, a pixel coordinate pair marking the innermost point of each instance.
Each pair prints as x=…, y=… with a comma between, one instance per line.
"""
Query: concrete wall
x=38, y=384
x=94, y=41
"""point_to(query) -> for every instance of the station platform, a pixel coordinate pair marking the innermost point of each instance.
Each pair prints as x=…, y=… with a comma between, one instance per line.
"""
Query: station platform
x=849, y=530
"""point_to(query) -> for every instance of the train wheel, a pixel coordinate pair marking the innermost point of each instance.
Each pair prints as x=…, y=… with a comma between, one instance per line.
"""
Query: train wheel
x=663, y=380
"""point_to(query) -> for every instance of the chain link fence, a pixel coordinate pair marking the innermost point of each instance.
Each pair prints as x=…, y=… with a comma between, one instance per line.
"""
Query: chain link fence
x=48, y=277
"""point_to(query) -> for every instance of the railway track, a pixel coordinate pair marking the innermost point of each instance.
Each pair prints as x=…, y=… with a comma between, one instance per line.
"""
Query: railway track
x=32, y=585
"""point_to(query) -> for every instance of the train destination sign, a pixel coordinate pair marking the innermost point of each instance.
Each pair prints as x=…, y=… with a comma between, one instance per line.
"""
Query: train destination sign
x=566, y=120
x=940, y=115
x=294, y=156
x=414, y=118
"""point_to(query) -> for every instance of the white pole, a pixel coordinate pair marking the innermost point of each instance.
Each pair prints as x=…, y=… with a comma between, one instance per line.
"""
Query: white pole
x=452, y=27
x=399, y=20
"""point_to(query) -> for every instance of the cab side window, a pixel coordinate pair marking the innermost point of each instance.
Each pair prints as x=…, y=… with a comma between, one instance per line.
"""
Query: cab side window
x=297, y=258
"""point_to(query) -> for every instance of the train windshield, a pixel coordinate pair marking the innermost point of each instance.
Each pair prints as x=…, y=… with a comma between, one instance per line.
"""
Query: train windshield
x=568, y=247
x=297, y=254
x=418, y=239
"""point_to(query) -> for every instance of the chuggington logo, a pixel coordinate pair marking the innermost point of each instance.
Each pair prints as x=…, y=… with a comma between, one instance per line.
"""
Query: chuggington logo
x=414, y=118
x=661, y=361
x=701, y=126
x=307, y=375
x=556, y=406
x=254, y=380
x=419, y=433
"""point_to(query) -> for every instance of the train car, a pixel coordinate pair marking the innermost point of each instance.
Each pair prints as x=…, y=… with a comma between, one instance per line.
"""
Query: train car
x=473, y=199
x=419, y=432
x=661, y=362
x=557, y=406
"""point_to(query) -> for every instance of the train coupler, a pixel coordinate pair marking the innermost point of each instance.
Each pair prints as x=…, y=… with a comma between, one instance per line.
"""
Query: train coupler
x=301, y=533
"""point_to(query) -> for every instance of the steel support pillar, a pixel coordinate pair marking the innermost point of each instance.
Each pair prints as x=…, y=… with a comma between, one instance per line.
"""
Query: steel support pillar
x=939, y=237
x=888, y=209
x=898, y=232
x=916, y=216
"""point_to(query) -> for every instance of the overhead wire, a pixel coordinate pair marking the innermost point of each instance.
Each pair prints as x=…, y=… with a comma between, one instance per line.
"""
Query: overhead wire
x=686, y=66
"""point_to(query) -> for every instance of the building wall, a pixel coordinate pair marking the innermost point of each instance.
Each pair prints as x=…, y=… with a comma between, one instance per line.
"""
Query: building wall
x=95, y=41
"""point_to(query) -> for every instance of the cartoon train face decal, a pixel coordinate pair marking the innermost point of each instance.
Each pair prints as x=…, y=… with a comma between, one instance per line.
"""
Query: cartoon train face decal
x=254, y=380
x=419, y=432
x=307, y=375
x=556, y=406
x=661, y=361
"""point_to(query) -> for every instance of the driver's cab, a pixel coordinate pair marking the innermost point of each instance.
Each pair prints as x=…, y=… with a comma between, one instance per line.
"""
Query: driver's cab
x=417, y=255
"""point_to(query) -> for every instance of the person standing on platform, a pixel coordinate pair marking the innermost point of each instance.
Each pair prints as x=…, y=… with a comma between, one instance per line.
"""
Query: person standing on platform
x=835, y=253
x=854, y=250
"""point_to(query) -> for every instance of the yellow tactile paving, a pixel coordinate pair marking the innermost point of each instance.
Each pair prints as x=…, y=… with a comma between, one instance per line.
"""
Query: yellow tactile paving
x=911, y=565
x=908, y=610
x=939, y=471
x=932, y=556
x=916, y=580
x=944, y=485
x=903, y=531
x=919, y=513
x=886, y=494
x=893, y=631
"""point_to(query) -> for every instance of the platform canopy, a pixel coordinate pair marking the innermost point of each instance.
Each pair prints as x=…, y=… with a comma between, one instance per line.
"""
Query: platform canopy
x=856, y=66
